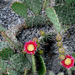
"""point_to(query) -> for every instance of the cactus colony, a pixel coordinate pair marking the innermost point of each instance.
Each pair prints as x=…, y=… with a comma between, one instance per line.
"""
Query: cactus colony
x=15, y=60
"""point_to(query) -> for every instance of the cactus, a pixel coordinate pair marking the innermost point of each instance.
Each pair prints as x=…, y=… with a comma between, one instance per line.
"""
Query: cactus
x=20, y=62
x=53, y=18
x=73, y=54
x=4, y=44
x=41, y=68
x=69, y=18
x=37, y=20
x=6, y=68
x=42, y=33
x=20, y=9
x=31, y=59
x=17, y=46
x=6, y=53
x=69, y=1
x=33, y=64
x=40, y=51
x=34, y=5
x=46, y=4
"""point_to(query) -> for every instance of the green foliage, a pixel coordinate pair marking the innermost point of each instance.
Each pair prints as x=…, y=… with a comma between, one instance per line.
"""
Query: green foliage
x=51, y=73
x=4, y=44
x=28, y=56
x=33, y=64
x=37, y=20
x=34, y=5
x=66, y=14
x=41, y=68
x=16, y=46
x=6, y=53
x=69, y=1
x=73, y=54
x=6, y=68
x=53, y=18
x=20, y=9
x=20, y=62
x=2, y=28
x=46, y=4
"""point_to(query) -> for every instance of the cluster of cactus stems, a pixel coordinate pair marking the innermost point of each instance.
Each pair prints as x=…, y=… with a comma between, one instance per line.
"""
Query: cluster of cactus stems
x=16, y=59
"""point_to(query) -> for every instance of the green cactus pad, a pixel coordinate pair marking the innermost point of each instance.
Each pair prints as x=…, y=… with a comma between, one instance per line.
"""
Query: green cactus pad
x=34, y=5
x=6, y=53
x=41, y=68
x=53, y=18
x=20, y=62
x=4, y=44
x=17, y=46
x=69, y=1
x=37, y=20
x=46, y=4
x=20, y=9
x=65, y=14
x=73, y=54
x=6, y=68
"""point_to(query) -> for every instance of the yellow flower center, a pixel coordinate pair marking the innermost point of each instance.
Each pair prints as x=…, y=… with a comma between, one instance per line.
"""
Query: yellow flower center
x=68, y=61
x=30, y=47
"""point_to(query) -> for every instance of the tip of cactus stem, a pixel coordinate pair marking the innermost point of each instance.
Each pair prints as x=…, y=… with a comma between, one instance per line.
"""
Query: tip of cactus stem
x=61, y=50
x=35, y=39
x=58, y=37
x=59, y=44
x=41, y=52
x=41, y=32
x=61, y=57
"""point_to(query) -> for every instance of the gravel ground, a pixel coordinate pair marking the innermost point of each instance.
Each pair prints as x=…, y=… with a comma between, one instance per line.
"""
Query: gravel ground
x=8, y=19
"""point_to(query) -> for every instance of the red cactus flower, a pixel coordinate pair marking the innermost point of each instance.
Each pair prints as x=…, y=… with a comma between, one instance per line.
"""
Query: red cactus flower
x=68, y=62
x=30, y=47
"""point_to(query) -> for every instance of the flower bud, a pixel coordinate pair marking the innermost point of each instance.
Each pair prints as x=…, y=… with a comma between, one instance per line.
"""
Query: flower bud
x=41, y=52
x=61, y=50
x=35, y=39
x=41, y=33
x=61, y=57
x=59, y=44
x=58, y=37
